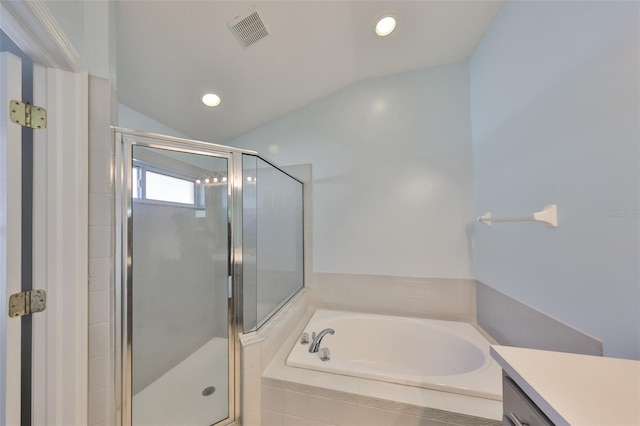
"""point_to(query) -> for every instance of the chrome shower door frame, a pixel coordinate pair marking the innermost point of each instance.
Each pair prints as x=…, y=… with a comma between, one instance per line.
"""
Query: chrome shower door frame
x=125, y=140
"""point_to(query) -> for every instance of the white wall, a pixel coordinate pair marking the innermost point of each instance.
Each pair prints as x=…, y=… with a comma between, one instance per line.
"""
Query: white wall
x=90, y=26
x=131, y=119
x=555, y=108
x=391, y=156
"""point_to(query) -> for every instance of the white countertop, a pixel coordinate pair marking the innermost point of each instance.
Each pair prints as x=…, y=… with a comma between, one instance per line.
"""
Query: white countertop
x=576, y=389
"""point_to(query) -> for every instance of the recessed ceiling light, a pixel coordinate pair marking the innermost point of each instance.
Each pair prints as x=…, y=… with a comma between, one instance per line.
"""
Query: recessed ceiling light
x=211, y=99
x=385, y=25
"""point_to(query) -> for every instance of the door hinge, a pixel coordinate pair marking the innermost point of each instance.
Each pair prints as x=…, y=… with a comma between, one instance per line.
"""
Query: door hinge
x=229, y=287
x=28, y=302
x=27, y=115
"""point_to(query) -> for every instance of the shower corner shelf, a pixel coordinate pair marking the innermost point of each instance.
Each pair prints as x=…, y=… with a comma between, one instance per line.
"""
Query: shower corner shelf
x=548, y=215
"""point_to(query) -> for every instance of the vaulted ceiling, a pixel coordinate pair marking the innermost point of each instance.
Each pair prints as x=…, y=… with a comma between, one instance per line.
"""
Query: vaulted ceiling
x=169, y=53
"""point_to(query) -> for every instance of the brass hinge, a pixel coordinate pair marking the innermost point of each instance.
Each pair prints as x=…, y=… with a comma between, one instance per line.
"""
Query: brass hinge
x=27, y=115
x=27, y=302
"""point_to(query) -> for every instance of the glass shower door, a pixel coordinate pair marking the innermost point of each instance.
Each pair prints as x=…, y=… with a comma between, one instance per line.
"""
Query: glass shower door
x=178, y=301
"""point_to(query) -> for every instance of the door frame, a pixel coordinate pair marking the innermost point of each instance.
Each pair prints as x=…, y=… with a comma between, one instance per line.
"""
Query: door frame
x=60, y=221
x=125, y=140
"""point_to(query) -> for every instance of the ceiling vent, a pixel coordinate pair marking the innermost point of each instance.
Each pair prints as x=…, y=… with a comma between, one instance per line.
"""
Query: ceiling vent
x=248, y=28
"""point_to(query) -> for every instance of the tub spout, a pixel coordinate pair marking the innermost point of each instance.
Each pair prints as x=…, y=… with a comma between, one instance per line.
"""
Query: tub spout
x=315, y=344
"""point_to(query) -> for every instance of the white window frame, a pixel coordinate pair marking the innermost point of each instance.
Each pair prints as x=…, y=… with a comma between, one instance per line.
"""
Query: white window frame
x=143, y=166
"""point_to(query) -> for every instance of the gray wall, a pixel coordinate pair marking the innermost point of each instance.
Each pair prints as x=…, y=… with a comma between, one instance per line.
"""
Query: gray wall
x=131, y=119
x=391, y=157
x=554, y=107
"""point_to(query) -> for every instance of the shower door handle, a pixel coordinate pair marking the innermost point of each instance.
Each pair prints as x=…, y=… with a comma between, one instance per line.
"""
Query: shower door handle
x=229, y=287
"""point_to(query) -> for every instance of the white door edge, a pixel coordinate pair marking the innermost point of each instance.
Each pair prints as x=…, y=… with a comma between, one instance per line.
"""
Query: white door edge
x=61, y=240
x=10, y=238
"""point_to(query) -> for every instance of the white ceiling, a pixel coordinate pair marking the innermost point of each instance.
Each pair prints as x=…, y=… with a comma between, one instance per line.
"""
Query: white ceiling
x=169, y=53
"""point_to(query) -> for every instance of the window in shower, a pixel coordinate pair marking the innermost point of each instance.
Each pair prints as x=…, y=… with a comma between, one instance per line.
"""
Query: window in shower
x=153, y=183
x=272, y=240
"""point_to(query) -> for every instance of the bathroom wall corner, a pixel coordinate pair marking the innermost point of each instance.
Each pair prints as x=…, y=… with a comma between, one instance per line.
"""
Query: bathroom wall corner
x=513, y=323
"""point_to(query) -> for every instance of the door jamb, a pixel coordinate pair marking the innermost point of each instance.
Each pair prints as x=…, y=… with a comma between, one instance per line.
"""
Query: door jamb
x=61, y=252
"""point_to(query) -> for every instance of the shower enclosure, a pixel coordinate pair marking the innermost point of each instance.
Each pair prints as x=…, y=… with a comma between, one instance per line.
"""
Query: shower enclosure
x=210, y=245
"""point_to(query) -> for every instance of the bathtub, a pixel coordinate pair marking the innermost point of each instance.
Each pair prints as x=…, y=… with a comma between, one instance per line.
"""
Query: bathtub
x=432, y=354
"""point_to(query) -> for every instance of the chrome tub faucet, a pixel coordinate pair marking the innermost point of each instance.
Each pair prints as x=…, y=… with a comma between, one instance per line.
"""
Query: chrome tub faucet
x=315, y=344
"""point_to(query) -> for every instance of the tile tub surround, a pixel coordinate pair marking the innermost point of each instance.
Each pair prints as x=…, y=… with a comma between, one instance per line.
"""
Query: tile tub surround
x=294, y=396
x=287, y=403
x=260, y=347
x=438, y=298
x=512, y=323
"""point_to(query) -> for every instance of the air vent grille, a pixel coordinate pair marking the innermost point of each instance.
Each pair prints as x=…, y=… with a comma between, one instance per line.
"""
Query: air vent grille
x=248, y=28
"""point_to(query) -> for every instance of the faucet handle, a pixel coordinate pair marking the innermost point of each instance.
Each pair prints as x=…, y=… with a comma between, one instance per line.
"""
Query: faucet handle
x=304, y=339
x=313, y=336
x=325, y=354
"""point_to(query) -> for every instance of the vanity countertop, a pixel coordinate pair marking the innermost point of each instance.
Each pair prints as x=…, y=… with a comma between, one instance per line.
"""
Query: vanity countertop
x=575, y=389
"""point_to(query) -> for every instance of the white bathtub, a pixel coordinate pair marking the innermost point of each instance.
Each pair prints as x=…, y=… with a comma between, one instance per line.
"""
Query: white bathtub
x=432, y=354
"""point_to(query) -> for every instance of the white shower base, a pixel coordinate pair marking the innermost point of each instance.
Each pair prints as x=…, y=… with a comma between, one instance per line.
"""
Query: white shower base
x=176, y=397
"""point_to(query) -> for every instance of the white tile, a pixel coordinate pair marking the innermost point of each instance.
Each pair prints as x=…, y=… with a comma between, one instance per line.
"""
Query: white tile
x=98, y=340
x=333, y=381
x=314, y=423
x=432, y=304
x=318, y=409
x=370, y=416
x=401, y=419
x=99, y=97
x=98, y=125
x=451, y=290
x=98, y=307
x=98, y=373
x=98, y=403
x=252, y=419
x=269, y=418
x=338, y=298
x=100, y=241
x=272, y=399
x=293, y=421
x=251, y=399
x=252, y=355
x=252, y=377
x=100, y=209
x=417, y=304
x=367, y=298
x=344, y=413
x=447, y=305
x=99, y=274
x=295, y=404
x=100, y=172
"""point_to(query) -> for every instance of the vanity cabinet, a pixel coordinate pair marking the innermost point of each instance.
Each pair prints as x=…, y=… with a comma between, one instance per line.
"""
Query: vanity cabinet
x=562, y=389
x=518, y=409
